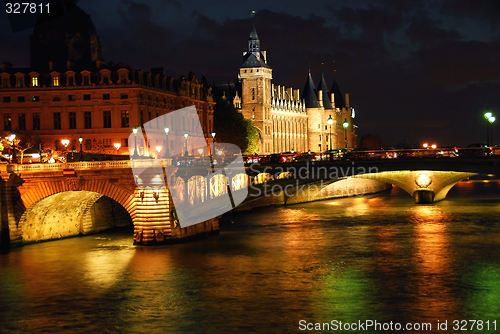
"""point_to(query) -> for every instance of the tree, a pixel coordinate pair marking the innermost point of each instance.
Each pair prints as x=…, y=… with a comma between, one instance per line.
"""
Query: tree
x=27, y=140
x=23, y=141
x=230, y=125
x=253, y=135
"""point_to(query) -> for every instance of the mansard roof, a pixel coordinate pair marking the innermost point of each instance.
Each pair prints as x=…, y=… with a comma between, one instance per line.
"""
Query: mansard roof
x=337, y=96
x=310, y=94
x=326, y=94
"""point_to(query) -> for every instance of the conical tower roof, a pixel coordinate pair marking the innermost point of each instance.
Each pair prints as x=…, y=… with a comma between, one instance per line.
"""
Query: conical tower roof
x=337, y=95
x=309, y=94
x=326, y=94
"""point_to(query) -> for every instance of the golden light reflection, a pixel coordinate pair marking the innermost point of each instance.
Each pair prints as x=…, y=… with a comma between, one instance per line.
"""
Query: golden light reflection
x=103, y=268
x=433, y=266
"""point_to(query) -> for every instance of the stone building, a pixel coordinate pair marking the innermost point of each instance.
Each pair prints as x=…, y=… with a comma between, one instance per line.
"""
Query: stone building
x=70, y=92
x=286, y=119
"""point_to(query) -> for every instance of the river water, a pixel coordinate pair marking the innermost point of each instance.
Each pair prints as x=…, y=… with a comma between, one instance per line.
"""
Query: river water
x=274, y=270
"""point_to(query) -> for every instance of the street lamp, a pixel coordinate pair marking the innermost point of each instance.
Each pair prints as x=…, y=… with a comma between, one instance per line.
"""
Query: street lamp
x=136, y=153
x=13, y=157
x=166, y=142
x=65, y=143
x=81, y=148
x=345, y=125
x=158, y=149
x=330, y=122
x=490, y=118
x=186, y=136
x=117, y=146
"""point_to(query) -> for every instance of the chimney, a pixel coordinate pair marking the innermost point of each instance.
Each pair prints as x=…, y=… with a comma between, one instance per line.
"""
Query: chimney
x=6, y=66
x=333, y=100
x=297, y=95
x=320, y=98
x=69, y=64
x=289, y=91
x=51, y=65
x=347, y=100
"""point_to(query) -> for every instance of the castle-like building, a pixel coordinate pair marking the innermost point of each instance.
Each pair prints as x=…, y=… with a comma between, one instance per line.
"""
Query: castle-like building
x=70, y=93
x=288, y=120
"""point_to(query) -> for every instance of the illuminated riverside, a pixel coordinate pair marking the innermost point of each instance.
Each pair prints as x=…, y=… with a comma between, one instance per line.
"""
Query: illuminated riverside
x=378, y=257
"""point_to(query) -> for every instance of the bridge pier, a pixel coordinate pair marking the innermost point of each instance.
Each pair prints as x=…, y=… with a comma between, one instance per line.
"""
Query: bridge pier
x=423, y=196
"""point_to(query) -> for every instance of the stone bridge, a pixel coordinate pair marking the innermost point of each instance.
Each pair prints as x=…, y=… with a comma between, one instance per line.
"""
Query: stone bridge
x=51, y=201
x=427, y=180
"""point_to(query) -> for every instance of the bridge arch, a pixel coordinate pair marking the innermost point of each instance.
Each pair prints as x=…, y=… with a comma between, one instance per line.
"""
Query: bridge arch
x=71, y=213
x=425, y=186
x=24, y=198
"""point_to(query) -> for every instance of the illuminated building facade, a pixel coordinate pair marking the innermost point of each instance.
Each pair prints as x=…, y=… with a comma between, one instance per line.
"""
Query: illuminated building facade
x=287, y=120
x=69, y=92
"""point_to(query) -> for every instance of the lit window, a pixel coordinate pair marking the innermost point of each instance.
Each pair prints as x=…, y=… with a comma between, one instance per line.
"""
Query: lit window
x=34, y=81
x=55, y=81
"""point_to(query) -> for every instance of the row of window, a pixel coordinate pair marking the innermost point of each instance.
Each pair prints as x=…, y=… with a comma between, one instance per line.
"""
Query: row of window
x=71, y=97
x=87, y=117
x=90, y=144
x=105, y=79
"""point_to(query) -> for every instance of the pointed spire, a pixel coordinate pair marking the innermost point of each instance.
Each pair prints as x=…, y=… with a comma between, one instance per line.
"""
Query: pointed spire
x=337, y=95
x=253, y=41
x=254, y=57
x=309, y=94
x=326, y=95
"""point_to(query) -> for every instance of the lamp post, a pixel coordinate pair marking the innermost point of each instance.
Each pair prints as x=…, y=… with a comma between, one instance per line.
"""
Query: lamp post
x=490, y=118
x=13, y=157
x=117, y=146
x=81, y=148
x=345, y=125
x=330, y=122
x=136, y=153
x=166, y=142
x=158, y=149
x=186, y=136
x=211, y=152
x=65, y=143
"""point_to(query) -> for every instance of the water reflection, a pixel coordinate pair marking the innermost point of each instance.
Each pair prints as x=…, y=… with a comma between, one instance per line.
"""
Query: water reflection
x=375, y=257
x=434, y=271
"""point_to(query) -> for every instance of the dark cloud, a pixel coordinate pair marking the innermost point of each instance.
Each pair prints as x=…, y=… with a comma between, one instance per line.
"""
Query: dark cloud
x=412, y=69
x=483, y=10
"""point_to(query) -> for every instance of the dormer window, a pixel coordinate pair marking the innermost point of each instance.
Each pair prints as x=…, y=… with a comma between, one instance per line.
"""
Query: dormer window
x=105, y=77
x=70, y=78
x=5, y=80
x=55, y=81
x=19, y=80
x=86, y=78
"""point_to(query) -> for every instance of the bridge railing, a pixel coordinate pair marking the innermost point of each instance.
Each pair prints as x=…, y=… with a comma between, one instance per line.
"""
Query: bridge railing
x=81, y=165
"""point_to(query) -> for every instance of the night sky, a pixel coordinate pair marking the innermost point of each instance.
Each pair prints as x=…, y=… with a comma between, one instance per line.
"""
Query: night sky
x=415, y=70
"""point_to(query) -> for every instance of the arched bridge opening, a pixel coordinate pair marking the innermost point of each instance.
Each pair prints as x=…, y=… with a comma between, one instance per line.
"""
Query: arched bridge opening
x=71, y=213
